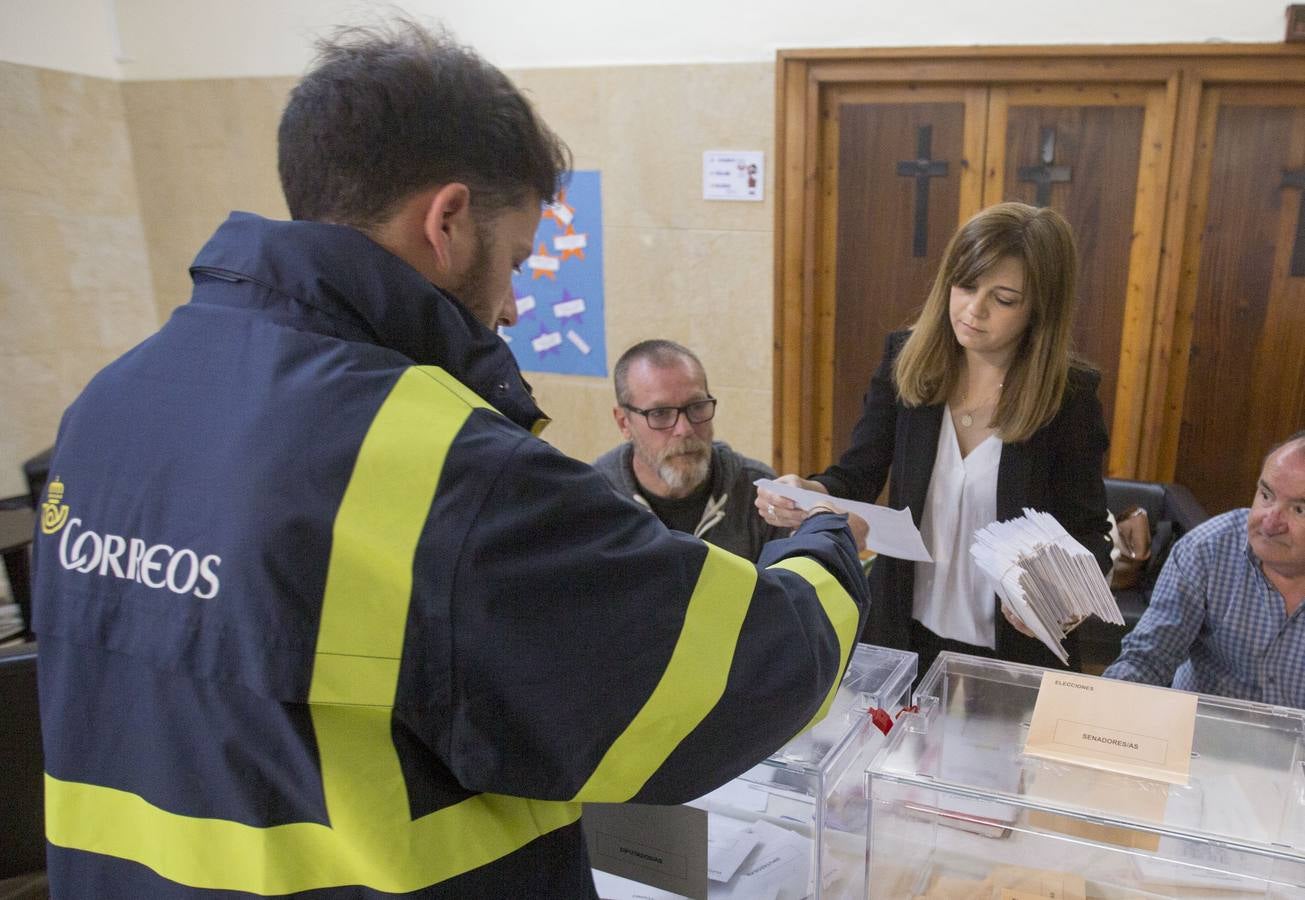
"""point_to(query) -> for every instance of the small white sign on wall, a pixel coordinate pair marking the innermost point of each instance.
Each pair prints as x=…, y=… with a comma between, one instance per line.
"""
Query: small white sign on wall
x=733, y=174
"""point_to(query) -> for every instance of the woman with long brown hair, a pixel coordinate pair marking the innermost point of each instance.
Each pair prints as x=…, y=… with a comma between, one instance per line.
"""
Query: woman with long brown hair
x=977, y=411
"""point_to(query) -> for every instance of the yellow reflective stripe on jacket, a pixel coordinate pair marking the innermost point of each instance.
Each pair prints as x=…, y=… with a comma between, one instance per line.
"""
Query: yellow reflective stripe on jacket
x=284, y=859
x=374, y=539
x=839, y=608
x=371, y=839
x=691, y=685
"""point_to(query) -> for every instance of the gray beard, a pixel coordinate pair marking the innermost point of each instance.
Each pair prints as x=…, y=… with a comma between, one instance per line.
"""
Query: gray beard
x=679, y=477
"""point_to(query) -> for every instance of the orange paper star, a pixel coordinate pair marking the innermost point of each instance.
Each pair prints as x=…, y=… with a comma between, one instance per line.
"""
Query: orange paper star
x=551, y=210
x=577, y=252
x=537, y=272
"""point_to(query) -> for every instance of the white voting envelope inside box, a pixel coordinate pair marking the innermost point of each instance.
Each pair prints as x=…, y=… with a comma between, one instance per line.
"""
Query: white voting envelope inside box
x=795, y=826
x=958, y=809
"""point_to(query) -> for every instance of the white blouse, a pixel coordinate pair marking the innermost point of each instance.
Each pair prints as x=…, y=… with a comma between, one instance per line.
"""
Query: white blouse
x=953, y=597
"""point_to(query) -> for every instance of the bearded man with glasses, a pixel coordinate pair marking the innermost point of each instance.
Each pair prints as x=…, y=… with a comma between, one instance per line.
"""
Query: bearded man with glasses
x=669, y=463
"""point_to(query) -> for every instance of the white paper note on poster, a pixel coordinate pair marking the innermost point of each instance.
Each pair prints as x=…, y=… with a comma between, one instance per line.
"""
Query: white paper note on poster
x=568, y=308
x=580, y=343
x=542, y=262
x=546, y=341
x=571, y=242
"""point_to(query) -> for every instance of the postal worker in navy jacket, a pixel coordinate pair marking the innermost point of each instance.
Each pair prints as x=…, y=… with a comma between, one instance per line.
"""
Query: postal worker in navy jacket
x=319, y=615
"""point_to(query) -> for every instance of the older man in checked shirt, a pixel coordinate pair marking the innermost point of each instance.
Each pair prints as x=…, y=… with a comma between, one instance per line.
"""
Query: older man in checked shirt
x=1225, y=617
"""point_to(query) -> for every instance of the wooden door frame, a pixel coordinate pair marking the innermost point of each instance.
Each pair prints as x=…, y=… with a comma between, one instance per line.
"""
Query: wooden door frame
x=802, y=313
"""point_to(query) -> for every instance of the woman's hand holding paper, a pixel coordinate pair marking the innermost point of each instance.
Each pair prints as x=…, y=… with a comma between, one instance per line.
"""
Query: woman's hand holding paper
x=781, y=511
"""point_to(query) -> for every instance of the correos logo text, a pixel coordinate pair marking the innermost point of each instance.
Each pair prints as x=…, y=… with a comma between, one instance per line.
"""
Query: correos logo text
x=157, y=566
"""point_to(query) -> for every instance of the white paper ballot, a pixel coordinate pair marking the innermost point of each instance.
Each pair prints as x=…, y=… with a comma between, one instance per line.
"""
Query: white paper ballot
x=778, y=865
x=729, y=842
x=1046, y=577
x=892, y=531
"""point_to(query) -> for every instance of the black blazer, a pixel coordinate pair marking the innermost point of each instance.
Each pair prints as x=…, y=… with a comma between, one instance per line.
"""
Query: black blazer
x=1057, y=470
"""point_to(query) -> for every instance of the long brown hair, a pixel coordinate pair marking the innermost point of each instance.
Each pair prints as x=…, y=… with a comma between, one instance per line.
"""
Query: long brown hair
x=929, y=365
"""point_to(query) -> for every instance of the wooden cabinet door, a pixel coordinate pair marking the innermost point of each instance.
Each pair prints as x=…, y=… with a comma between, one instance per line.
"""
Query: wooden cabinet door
x=1095, y=153
x=908, y=164
x=1180, y=169
x=1241, y=306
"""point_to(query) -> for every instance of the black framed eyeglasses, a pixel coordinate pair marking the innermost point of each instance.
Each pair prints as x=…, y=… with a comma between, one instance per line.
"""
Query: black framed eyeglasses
x=662, y=418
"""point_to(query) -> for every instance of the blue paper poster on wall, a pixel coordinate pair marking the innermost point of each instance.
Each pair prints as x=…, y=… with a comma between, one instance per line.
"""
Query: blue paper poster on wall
x=560, y=288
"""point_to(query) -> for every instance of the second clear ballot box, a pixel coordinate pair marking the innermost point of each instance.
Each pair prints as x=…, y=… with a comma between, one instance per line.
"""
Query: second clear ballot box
x=790, y=828
x=795, y=825
x=959, y=811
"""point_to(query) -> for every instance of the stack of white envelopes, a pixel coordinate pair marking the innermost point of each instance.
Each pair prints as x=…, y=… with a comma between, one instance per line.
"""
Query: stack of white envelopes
x=1050, y=581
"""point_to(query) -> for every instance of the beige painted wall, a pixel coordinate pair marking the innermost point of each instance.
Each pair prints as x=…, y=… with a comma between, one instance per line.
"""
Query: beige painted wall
x=74, y=275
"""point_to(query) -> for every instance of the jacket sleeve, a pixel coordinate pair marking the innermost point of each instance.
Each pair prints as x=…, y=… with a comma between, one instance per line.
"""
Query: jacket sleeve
x=598, y=656
x=1079, y=455
x=861, y=471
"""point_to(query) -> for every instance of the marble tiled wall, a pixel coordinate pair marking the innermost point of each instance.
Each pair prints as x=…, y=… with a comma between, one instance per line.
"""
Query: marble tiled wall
x=201, y=149
x=74, y=272
x=676, y=266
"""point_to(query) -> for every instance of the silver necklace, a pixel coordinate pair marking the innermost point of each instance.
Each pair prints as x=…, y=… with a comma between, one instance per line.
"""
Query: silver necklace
x=967, y=417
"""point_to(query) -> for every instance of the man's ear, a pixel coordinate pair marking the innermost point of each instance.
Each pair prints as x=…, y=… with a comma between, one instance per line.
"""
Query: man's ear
x=450, y=230
x=622, y=421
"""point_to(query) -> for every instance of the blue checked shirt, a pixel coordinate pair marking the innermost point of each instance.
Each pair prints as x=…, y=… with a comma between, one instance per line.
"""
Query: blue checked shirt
x=1216, y=625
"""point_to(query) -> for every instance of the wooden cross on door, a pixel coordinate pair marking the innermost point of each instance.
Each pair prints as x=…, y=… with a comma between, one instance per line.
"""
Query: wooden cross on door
x=1296, y=179
x=922, y=168
x=1046, y=174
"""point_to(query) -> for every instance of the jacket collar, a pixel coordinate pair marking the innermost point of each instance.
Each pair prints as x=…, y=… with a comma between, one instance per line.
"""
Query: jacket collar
x=369, y=294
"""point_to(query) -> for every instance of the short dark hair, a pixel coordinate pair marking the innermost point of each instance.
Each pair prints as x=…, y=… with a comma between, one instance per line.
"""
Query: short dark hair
x=392, y=109
x=661, y=353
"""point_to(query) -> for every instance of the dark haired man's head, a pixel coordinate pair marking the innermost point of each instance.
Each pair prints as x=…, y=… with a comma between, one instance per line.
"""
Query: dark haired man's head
x=389, y=111
x=417, y=141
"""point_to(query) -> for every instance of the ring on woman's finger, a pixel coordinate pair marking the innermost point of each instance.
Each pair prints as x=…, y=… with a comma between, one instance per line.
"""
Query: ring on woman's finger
x=770, y=509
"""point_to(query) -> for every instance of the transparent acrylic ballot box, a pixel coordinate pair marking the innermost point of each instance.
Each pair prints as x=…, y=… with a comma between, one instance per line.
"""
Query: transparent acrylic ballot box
x=795, y=825
x=957, y=810
x=803, y=810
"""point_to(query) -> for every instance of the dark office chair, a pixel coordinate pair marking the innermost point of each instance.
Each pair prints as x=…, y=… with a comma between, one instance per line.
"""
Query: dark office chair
x=1172, y=512
x=17, y=522
x=36, y=471
x=22, y=793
